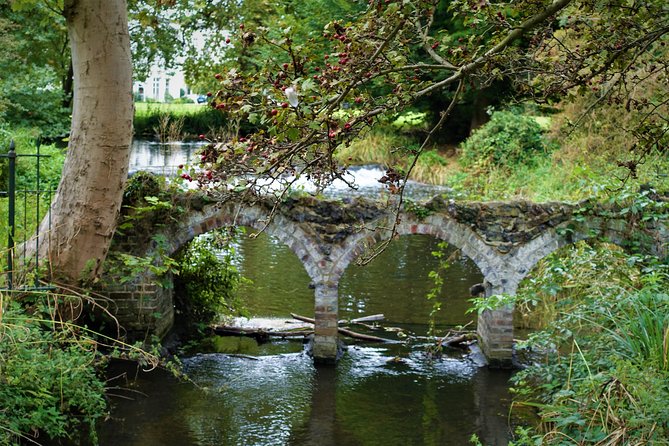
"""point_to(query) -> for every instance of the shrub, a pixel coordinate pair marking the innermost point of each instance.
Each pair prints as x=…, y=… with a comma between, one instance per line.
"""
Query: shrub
x=148, y=204
x=208, y=279
x=508, y=139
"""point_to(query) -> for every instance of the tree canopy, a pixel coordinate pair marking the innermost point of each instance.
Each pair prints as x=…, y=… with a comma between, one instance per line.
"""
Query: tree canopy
x=308, y=98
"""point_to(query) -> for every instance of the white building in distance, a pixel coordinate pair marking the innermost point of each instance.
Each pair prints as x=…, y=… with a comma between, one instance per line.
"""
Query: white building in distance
x=161, y=86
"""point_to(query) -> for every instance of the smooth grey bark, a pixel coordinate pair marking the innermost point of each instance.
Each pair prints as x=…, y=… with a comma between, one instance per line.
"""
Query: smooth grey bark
x=84, y=211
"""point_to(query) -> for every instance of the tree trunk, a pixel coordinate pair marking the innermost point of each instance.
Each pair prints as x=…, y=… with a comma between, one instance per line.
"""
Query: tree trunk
x=87, y=202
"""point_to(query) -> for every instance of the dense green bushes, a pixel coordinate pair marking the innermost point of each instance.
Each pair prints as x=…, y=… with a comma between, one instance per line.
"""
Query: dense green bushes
x=509, y=139
x=49, y=382
x=28, y=99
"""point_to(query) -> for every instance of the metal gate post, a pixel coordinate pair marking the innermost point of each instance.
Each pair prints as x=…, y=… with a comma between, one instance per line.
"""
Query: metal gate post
x=11, y=193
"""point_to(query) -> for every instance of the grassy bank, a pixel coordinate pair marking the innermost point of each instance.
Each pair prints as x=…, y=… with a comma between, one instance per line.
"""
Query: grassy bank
x=171, y=122
x=386, y=146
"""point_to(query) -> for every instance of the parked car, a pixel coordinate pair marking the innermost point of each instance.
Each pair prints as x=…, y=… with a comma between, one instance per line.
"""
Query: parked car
x=201, y=99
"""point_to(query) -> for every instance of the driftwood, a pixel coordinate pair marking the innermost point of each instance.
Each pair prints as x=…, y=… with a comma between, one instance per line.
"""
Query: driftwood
x=303, y=318
x=458, y=340
x=364, y=319
x=452, y=339
x=344, y=331
x=260, y=333
x=362, y=337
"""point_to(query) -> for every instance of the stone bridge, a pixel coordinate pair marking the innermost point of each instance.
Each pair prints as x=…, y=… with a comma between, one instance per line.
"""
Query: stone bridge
x=504, y=239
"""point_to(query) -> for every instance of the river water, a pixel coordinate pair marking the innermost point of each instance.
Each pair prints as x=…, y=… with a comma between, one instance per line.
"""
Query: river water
x=243, y=393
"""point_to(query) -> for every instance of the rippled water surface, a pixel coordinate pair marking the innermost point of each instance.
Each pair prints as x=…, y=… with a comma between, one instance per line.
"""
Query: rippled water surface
x=282, y=399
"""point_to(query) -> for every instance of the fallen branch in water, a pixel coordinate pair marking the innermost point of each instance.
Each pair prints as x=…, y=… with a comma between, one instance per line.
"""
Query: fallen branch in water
x=363, y=337
x=260, y=333
x=303, y=318
x=363, y=320
x=344, y=331
x=458, y=340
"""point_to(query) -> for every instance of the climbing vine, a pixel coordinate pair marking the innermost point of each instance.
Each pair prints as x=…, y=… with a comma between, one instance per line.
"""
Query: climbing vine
x=437, y=278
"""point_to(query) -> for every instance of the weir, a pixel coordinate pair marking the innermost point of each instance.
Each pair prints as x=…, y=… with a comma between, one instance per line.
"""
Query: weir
x=504, y=239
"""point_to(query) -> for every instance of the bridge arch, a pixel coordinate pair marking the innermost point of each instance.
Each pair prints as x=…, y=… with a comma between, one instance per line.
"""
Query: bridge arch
x=228, y=215
x=569, y=233
x=505, y=240
x=495, y=328
x=438, y=226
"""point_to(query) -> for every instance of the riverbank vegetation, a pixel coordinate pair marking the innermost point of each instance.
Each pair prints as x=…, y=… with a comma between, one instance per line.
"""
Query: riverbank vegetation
x=521, y=155
x=49, y=373
x=53, y=387
x=598, y=368
x=596, y=363
x=207, y=283
x=55, y=342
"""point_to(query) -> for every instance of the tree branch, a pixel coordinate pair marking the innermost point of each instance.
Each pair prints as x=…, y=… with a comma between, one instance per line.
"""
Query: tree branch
x=528, y=24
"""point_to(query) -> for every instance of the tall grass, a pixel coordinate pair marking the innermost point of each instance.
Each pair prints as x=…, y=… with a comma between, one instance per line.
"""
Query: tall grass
x=160, y=120
x=602, y=378
x=642, y=330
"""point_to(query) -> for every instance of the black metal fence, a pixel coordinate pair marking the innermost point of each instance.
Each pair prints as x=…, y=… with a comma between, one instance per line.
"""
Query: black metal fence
x=23, y=202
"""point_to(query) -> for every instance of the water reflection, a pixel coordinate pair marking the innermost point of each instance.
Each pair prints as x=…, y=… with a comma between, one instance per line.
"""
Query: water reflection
x=283, y=399
x=161, y=159
x=394, y=284
x=257, y=402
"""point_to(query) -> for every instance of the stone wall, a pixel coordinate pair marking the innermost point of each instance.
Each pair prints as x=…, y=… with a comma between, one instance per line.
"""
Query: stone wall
x=142, y=308
x=495, y=333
